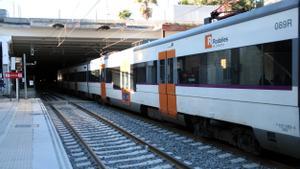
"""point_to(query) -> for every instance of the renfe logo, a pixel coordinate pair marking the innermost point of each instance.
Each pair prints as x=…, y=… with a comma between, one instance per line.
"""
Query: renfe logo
x=210, y=42
x=208, y=39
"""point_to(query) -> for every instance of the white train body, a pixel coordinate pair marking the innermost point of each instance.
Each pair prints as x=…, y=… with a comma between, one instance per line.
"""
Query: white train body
x=242, y=70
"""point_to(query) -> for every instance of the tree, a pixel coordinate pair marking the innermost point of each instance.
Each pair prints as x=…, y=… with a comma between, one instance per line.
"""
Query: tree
x=184, y=2
x=245, y=5
x=145, y=9
x=208, y=2
x=200, y=2
x=125, y=14
x=235, y=5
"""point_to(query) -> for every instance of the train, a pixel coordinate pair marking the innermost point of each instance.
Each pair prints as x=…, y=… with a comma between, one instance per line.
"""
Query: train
x=236, y=79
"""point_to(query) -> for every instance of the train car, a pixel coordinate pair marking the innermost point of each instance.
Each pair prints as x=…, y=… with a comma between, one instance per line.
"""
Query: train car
x=74, y=78
x=83, y=79
x=93, y=78
x=235, y=79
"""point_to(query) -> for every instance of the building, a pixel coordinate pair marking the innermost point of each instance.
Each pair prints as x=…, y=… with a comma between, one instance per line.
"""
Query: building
x=267, y=2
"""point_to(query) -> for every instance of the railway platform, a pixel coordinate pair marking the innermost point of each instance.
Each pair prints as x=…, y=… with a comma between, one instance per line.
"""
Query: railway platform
x=28, y=139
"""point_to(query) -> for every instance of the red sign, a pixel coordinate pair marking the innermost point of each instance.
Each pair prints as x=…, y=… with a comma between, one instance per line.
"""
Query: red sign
x=13, y=75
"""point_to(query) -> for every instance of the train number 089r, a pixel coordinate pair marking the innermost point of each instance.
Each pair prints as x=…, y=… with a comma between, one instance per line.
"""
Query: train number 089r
x=283, y=24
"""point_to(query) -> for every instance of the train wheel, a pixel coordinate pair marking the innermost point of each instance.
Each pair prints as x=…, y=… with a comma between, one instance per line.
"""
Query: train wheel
x=188, y=122
x=144, y=111
x=247, y=142
x=97, y=98
x=200, y=126
x=203, y=128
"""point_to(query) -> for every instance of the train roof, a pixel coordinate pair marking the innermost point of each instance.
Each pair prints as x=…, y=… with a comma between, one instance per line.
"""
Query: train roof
x=250, y=15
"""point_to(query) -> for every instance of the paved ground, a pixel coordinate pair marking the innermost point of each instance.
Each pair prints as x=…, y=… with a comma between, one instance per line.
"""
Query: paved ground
x=28, y=139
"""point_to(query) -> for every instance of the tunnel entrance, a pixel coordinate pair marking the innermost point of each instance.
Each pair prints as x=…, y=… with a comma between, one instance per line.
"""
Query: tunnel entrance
x=44, y=56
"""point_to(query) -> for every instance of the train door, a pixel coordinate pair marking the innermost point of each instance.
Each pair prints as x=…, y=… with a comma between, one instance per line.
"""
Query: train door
x=167, y=93
x=102, y=83
x=125, y=82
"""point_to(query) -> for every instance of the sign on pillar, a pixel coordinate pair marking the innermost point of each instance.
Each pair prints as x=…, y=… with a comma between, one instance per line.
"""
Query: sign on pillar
x=17, y=76
x=13, y=75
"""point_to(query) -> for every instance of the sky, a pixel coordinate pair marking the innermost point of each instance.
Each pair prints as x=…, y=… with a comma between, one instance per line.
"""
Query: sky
x=76, y=9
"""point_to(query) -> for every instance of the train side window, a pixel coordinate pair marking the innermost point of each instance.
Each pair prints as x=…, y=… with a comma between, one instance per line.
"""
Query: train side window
x=145, y=73
x=219, y=67
x=278, y=63
x=170, y=71
x=73, y=77
x=151, y=72
x=94, y=76
x=124, y=78
x=162, y=74
x=108, y=73
x=132, y=78
x=116, y=78
x=188, y=69
x=102, y=75
x=82, y=76
x=202, y=75
x=251, y=72
x=90, y=76
x=268, y=64
x=255, y=66
x=140, y=73
x=76, y=76
x=97, y=75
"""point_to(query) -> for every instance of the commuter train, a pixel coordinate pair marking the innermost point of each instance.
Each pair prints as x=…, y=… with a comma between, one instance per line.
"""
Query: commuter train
x=236, y=79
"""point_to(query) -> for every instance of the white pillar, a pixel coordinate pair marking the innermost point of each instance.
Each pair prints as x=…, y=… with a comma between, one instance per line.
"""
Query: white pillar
x=25, y=75
x=5, y=41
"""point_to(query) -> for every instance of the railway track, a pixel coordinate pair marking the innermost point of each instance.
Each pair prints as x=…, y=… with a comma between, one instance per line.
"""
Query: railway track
x=81, y=155
x=209, y=153
x=104, y=144
x=192, y=152
x=187, y=150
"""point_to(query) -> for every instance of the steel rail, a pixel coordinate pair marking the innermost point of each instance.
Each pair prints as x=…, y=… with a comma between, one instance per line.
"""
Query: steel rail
x=76, y=134
x=178, y=164
x=58, y=96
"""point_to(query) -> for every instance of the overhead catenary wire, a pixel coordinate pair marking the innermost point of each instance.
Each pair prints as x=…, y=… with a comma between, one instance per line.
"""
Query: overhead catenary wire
x=77, y=24
x=121, y=40
x=138, y=33
x=65, y=28
x=108, y=45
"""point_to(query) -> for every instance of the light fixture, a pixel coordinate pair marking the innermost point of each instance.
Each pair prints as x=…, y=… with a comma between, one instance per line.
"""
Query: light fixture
x=58, y=25
x=223, y=63
x=103, y=27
